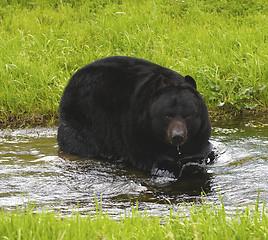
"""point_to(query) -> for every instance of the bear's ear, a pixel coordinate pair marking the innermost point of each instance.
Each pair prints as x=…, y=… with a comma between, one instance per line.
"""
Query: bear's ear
x=189, y=80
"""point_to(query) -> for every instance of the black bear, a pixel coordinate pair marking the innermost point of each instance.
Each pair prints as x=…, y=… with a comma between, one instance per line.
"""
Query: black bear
x=130, y=109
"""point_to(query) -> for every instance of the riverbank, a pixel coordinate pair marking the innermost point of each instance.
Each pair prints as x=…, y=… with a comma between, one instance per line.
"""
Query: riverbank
x=222, y=116
x=200, y=222
x=43, y=43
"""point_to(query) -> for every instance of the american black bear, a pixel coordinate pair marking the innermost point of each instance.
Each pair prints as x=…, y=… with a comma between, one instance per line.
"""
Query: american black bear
x=129, y=109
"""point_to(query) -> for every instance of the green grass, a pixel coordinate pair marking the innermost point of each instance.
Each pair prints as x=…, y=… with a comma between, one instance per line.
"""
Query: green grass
x=222, y=44
x=203, y=222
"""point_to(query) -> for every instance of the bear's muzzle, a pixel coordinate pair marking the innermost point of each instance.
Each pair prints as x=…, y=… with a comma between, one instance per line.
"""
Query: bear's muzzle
x=177, y=132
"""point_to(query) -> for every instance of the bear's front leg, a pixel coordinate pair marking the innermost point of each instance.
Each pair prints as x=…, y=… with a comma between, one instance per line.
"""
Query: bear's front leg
x=166, y=166
x=157, y=164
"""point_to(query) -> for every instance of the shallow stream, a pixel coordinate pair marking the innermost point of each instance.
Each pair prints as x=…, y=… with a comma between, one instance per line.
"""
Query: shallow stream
x=33, y=170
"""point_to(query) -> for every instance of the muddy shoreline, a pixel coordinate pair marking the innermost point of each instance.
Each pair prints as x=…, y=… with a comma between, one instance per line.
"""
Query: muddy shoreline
x=38, y=120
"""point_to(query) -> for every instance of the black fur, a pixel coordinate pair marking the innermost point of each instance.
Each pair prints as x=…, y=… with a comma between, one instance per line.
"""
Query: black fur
x=137, y=111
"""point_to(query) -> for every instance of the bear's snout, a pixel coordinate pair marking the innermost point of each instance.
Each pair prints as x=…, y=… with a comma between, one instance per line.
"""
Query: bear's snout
x=177, y=133
x=177, y=137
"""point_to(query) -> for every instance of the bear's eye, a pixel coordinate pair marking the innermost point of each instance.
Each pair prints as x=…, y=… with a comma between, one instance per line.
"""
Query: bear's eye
x=169, y=116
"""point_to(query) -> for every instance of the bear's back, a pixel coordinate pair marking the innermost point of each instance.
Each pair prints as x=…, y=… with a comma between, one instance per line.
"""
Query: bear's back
x=109, y=83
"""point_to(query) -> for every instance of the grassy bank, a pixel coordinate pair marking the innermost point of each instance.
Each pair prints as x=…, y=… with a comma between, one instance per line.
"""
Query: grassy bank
x=42, y=43
x=203, y=222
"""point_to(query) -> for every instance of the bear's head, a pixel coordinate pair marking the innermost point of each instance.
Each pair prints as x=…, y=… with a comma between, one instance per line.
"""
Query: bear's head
x=179, y=115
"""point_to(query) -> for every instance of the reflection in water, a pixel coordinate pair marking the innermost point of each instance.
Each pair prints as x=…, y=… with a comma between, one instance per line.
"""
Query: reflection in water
x=32, y=169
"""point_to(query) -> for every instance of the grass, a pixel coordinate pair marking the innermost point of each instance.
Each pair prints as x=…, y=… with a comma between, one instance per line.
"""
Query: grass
x=203, y=222
x=220, y=43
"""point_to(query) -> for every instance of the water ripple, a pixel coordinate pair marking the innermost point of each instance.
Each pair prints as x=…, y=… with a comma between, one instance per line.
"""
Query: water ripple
x=32, y=169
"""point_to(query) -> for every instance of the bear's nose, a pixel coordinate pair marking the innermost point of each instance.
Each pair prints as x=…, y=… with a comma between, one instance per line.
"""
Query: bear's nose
x=177, y=137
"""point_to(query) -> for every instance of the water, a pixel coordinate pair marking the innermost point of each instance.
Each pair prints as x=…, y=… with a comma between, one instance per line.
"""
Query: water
x=33, y=170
